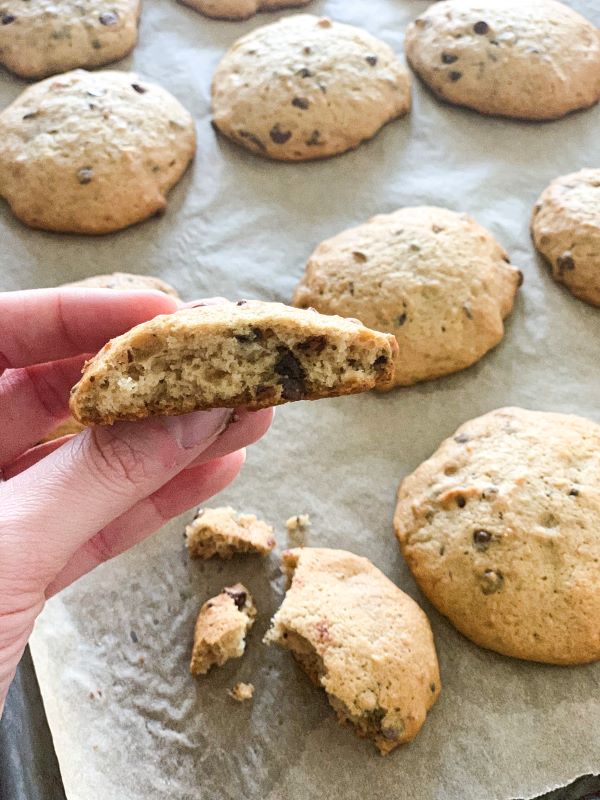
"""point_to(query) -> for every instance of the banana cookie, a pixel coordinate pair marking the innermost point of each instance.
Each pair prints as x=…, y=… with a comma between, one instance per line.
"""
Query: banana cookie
x=501, y=529
x=250, y=354
x=240, y=9
x=364, y=641
x=434, y=278
x=536, y=60
x=306, y=87
x=221, y=628
x=43, y=37
x=92, y=152
x=566, y=231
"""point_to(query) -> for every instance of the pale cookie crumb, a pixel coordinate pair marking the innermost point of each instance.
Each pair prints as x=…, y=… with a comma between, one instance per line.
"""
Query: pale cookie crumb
x=241, y=692
x=297, y=528
x=223, y=532
x=221, y=628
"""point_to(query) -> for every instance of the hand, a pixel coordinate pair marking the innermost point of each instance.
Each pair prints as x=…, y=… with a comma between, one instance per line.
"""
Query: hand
x=68, y=505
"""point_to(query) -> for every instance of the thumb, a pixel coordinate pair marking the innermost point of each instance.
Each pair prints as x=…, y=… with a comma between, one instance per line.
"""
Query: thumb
x=91, y=480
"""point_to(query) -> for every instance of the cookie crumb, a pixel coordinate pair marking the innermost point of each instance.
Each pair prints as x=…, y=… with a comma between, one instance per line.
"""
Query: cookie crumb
x=297, y=528
x=224, y=533
x=241, y=692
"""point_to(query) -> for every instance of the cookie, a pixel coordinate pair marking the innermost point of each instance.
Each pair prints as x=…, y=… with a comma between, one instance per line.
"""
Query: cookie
x=534, y=60
x=306, y=88
x=566, y=231
x=249, y=354
x=500, y=528
x=434, y=278
x=357, y=635
x=240, y=9
x=125, y=281
x=92, y=152
x=40, y=38
x=221, y=628
x=223, y=532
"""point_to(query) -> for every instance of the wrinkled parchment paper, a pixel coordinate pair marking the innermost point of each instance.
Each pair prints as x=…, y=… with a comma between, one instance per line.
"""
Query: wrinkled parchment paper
x=128, y=721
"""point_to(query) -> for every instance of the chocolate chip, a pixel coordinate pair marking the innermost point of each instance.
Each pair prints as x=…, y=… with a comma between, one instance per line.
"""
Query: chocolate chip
x=251, y=137
x=481, y=28
x=482, y=539
x=300, y=102
x=574, y=492
x=314, y=138
x=372, y=60
x=6, y=19
x=460, y=501
x=139, y=89
x=278, y=135
x=313, y=345
x=239, y=598
x=241, y=302
x=461, y=438
x=492, y=581
x=455, y=76
x=506, y=258
x=449, y=58
x=520, y=278
x=305, y=73
x=290, y=370
x=565, y=263
x=253, y=335
x=401, y=319
x=31, y=115
x=380, y=361
x=306, y=50
x=85, y=175
x=432, y=687
x=134, y=637
x=109, y=18
x=358, y=256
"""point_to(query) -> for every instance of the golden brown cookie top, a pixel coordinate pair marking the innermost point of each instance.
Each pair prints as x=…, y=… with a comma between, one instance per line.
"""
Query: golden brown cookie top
x=500, y=529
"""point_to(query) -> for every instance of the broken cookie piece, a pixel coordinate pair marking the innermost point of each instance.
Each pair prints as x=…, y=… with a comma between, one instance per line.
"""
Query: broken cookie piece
x=241, y=692
x=297, y=529
x=357, y=635
x=223, y=532
x=221, y=628
x=247, y=354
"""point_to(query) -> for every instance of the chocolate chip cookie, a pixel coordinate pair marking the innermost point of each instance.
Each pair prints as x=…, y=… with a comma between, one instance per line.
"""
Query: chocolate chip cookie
x=305, y=88
x=500, y=528
x=250, y=354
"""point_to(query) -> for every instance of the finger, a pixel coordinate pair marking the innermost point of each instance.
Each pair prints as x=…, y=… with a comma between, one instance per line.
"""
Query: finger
x=245, y=428
x=42, y=325
x=186, y=490
x=34, y=400
x=91, y=480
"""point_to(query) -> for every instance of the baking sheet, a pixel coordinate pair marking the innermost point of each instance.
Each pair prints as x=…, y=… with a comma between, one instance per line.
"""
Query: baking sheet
x=111, y=652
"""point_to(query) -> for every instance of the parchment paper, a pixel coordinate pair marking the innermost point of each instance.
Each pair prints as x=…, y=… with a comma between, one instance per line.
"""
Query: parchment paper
x=111, y=652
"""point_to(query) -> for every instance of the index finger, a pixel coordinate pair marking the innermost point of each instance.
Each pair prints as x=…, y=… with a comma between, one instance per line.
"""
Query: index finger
x=41, y=325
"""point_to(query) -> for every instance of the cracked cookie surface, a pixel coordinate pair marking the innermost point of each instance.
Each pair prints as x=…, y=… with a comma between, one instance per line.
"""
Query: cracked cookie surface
x=240, y=9
x=535, y=60
x=305, y=88
x=500, y=528
x=432, y=277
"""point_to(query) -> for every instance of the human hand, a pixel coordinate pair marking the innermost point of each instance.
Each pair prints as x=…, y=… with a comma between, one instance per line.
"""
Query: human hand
x=70, y=504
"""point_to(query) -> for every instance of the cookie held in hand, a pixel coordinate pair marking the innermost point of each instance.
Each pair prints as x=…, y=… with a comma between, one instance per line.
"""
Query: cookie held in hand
x=566, y=231
x=306, y=88
x=533, y=60
x=92, y=152
x=500, y=528
x=362, y=639
x=434, y=278
x=248, y=354
x=39, y=38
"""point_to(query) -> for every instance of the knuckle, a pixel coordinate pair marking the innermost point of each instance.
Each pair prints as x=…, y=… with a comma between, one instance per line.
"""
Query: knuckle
x=116, y=460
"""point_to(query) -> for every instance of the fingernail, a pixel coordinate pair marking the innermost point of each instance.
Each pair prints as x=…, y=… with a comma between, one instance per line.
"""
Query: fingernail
x=199, y=427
